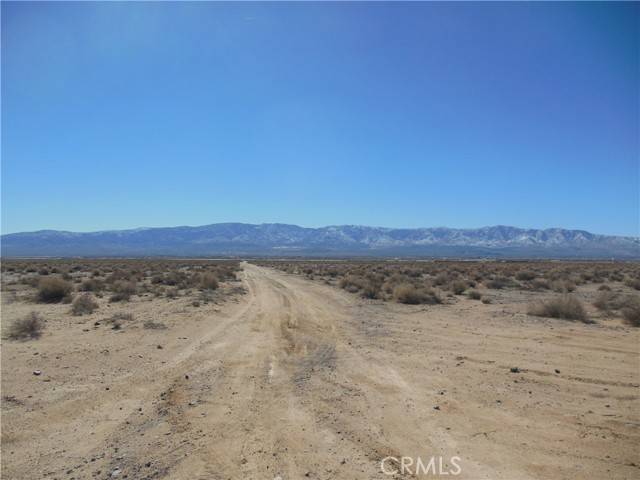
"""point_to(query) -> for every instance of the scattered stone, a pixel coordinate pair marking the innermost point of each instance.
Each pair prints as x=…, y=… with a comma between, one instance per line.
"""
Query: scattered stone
x=116, y=472
x=515, y=370
x=436, y=407
x=557, y=371
x=37, y=372
x=159, y=347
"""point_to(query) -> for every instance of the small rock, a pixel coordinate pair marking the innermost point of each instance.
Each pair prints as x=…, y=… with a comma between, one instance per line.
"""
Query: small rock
x=115, y=473
x=436, y=407
x=37, y=372
x=159, y=347
x=557, y=371
x=515, y=370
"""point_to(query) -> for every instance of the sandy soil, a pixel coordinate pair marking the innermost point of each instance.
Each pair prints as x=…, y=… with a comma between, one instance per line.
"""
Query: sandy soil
x=301, y=380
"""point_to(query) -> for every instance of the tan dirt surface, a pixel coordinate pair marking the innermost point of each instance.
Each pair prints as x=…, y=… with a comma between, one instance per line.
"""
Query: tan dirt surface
x=301, y=380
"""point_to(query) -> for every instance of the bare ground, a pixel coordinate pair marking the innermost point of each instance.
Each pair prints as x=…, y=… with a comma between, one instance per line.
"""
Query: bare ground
x=302, y=380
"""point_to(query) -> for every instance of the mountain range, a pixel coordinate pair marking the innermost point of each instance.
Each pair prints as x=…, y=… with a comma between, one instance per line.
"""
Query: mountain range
x=274, y=239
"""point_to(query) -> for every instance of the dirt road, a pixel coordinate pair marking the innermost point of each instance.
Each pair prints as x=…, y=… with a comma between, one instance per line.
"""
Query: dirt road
x=301, y=380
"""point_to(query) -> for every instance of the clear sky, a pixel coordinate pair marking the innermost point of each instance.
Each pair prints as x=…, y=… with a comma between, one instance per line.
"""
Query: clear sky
x=120, y=115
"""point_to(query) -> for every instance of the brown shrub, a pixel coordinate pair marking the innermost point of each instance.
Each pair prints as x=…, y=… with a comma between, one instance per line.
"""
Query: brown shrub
x=117, y=320
x=30, y=326
x=123, y=291
x=208, y=281
x=563, y=286
x=605, y=301
x=407, y=293
x=474, y=295
x=91, y=285
x=151, y=325
x=633, y=283
x=458, y=287
x=631, y=311
x=566, y=307
x=53, y=289
x=525, y=275
x=499, y=283
x=84, y=304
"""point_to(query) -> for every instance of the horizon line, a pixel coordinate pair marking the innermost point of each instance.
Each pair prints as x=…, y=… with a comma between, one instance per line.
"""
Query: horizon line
x=637, y=235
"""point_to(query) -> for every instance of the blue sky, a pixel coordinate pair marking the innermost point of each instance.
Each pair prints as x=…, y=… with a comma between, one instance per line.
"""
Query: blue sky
x=120, y=115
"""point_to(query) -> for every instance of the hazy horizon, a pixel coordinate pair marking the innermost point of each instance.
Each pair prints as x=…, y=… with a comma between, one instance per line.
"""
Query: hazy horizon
x=124, y=115
x=143, y=227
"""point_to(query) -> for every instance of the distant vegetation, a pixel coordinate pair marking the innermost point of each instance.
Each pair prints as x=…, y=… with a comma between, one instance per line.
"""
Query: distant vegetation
x=416, y=282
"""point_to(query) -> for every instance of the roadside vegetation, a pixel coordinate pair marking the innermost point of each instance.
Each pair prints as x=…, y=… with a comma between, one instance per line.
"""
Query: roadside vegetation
x=577, y=291
x=90, y=287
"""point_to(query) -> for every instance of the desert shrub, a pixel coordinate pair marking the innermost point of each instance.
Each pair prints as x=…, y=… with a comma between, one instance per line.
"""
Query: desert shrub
x=122, y=291
x=91, y=285
x=208, y=281
x=565, y=307
x=604, y=301
x=486, y=300
x=525, y=275
x=407, y=293
x=118, y=319
x=499, y=283
x=441, y=279
x=633, y=283
x=604, y=288
x=370, y=290
x=53, y=289
x=151, y=325
x=84, y=304
x=458, y=287
x=474, y=295
x=631, y=311
x=539, y=284
x=30, y=326
x=353, y=283
x=171, y=293
x=563, y=286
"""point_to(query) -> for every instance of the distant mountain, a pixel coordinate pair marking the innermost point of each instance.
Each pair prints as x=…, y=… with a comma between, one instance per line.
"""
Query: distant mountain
x=239, y=239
